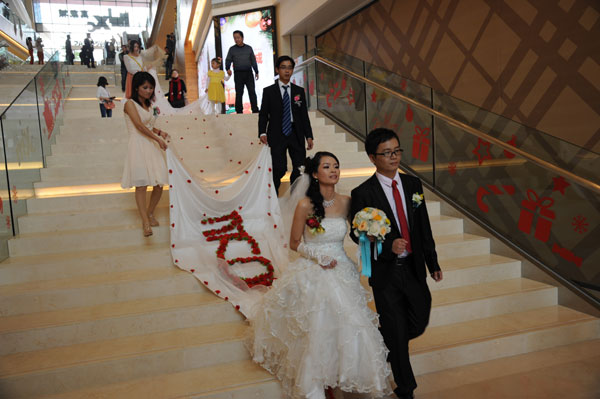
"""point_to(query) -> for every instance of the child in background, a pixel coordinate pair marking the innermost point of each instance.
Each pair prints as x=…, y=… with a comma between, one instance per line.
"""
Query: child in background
x=106, y=101
x=177, y=90
x=216, y=90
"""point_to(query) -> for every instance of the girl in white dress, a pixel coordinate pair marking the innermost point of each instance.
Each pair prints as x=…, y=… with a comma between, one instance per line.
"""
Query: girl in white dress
x=313, y=329
x=133, y=63
x=145, y=163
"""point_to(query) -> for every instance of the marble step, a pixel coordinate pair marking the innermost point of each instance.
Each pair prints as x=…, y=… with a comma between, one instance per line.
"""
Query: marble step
x=51, y=371
x=90, y=290
x=23, y=269
x=84, y=203
x=44, y=330
x=447, y=246
x=481, y=340
x=93, y=237
x=474, y=270
x=556, y=326
x=236, y=380
x=521, y=376
x=56, y=222
x=471, y=302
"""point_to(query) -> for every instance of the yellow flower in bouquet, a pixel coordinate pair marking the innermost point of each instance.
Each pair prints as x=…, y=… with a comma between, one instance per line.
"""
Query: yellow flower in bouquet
x=371, y=221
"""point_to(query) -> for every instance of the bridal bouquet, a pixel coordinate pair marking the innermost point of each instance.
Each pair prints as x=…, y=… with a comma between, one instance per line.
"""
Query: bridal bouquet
x=370, y=222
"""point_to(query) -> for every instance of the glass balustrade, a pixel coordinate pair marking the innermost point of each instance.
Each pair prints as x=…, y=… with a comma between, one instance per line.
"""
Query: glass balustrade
x=551, y=219
x=29, y=127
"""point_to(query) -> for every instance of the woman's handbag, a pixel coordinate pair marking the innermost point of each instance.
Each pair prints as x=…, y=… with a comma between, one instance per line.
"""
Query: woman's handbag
x=109, y=104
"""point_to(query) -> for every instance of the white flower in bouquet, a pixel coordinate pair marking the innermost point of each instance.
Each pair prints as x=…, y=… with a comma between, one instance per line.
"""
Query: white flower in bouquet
x=371, y=221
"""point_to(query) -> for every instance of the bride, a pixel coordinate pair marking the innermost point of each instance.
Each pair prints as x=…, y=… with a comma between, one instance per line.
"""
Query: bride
x=313, y=329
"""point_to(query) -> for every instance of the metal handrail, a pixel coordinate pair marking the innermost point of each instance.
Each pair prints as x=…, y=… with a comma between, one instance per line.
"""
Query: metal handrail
x=469, y=129
x=27, y=85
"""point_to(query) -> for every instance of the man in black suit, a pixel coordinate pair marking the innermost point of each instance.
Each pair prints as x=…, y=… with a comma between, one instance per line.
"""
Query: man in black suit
x=283, y=122
x=398, y=277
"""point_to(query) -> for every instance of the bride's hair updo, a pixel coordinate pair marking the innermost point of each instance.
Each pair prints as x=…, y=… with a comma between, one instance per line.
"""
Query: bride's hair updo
x=311, y=165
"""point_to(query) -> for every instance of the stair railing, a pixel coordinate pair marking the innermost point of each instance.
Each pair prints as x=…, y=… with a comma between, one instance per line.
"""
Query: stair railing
x=543, y=200
x=29, y=125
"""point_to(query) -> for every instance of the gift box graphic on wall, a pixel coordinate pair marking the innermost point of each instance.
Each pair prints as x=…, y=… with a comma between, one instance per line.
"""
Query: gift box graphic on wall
x=529, y=212
x=420, y=149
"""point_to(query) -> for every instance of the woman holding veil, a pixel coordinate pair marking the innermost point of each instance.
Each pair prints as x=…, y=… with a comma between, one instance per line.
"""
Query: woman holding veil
x=313, y=329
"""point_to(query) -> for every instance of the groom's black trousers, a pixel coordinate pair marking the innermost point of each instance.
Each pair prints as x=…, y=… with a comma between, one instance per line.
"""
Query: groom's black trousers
x=295, y=146
x=404, y=305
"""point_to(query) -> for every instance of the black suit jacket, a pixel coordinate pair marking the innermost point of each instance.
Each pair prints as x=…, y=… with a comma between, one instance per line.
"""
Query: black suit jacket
x=370, y=194
x=271, y=115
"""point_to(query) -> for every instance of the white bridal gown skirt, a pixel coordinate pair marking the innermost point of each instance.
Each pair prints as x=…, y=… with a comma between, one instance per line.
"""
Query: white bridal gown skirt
x=314, y=328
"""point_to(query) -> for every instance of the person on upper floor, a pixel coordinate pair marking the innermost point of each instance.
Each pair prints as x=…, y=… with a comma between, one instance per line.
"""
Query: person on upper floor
x=244, y=62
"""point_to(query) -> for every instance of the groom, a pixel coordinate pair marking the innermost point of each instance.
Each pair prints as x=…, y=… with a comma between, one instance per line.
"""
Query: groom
x=283, y=122
x=398, y=277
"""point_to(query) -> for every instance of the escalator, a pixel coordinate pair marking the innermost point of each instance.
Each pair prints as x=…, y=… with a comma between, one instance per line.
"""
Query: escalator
x=536, y=193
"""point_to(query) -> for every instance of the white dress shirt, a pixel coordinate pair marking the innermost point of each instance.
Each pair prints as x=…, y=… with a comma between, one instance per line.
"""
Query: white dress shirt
x=386, y=185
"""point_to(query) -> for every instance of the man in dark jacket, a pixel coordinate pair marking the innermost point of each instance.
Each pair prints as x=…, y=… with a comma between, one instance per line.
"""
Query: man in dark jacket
x=398, y=277
x=244, y=61
x=283, y=122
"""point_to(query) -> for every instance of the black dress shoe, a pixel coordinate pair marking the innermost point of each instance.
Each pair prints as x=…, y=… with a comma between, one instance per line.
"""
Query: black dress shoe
x=405, y=395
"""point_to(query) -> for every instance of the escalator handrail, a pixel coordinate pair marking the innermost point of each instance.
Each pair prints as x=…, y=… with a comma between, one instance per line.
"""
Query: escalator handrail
x=451, y=121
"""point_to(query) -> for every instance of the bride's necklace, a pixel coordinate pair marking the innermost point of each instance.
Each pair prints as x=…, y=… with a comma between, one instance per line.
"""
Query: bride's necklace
x=327, y=204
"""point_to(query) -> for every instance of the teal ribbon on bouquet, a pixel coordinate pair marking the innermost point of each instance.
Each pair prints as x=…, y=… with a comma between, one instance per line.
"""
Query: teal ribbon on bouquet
x=365, y=252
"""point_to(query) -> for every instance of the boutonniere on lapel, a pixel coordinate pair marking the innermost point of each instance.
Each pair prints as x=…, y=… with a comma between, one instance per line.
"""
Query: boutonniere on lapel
x=417, y=200
x=297, y=100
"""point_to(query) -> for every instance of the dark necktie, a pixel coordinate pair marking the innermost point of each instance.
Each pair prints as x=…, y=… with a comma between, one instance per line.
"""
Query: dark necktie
x=401, y=215
x=287, y=117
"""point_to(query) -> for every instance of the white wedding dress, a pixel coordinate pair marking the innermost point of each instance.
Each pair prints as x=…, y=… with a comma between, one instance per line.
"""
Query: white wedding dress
x=314, y=329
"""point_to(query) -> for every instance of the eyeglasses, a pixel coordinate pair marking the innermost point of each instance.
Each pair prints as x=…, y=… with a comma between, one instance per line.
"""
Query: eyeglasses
x=389, y=154
x=286, y=67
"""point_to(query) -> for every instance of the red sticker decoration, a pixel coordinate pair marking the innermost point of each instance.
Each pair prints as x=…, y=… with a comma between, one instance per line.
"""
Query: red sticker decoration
x=420, y=149
x=567, y=255
x=580, y=224
x=409, y=113
x=545, y=220
x=513, y=142
x=482, y=150
x=493, y=189
x=560, y=184
x=452, y=168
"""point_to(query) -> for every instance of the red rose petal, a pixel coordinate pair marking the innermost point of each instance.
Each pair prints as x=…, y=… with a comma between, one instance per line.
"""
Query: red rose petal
x=269, y=169
x=181, y=138
x=171, y=206
x=172, y=224
x=207, y=147
x=269, y=213
x=217, y=292
x=189, y=181
x=231, y=160
x=176, y=260
x=269, y=184
x=274, y=226
x=203, y=120
x=192, y=270
x=171, y=171
x=239, y=162
x=246, y=172
x=259, y=167
x=216, y=191
x=226, y=298
x=237, y=307
x=230, y=134
x=195, y=119
x=201, y=170
x=170, y=186
x=172, y=245
x=239, y=207
x=205, y=282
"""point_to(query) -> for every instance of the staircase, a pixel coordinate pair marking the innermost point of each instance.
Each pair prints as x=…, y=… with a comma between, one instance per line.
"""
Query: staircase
x=90, y=308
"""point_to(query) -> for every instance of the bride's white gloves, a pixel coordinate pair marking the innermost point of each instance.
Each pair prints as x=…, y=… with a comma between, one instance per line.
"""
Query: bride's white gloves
x=326, y=262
